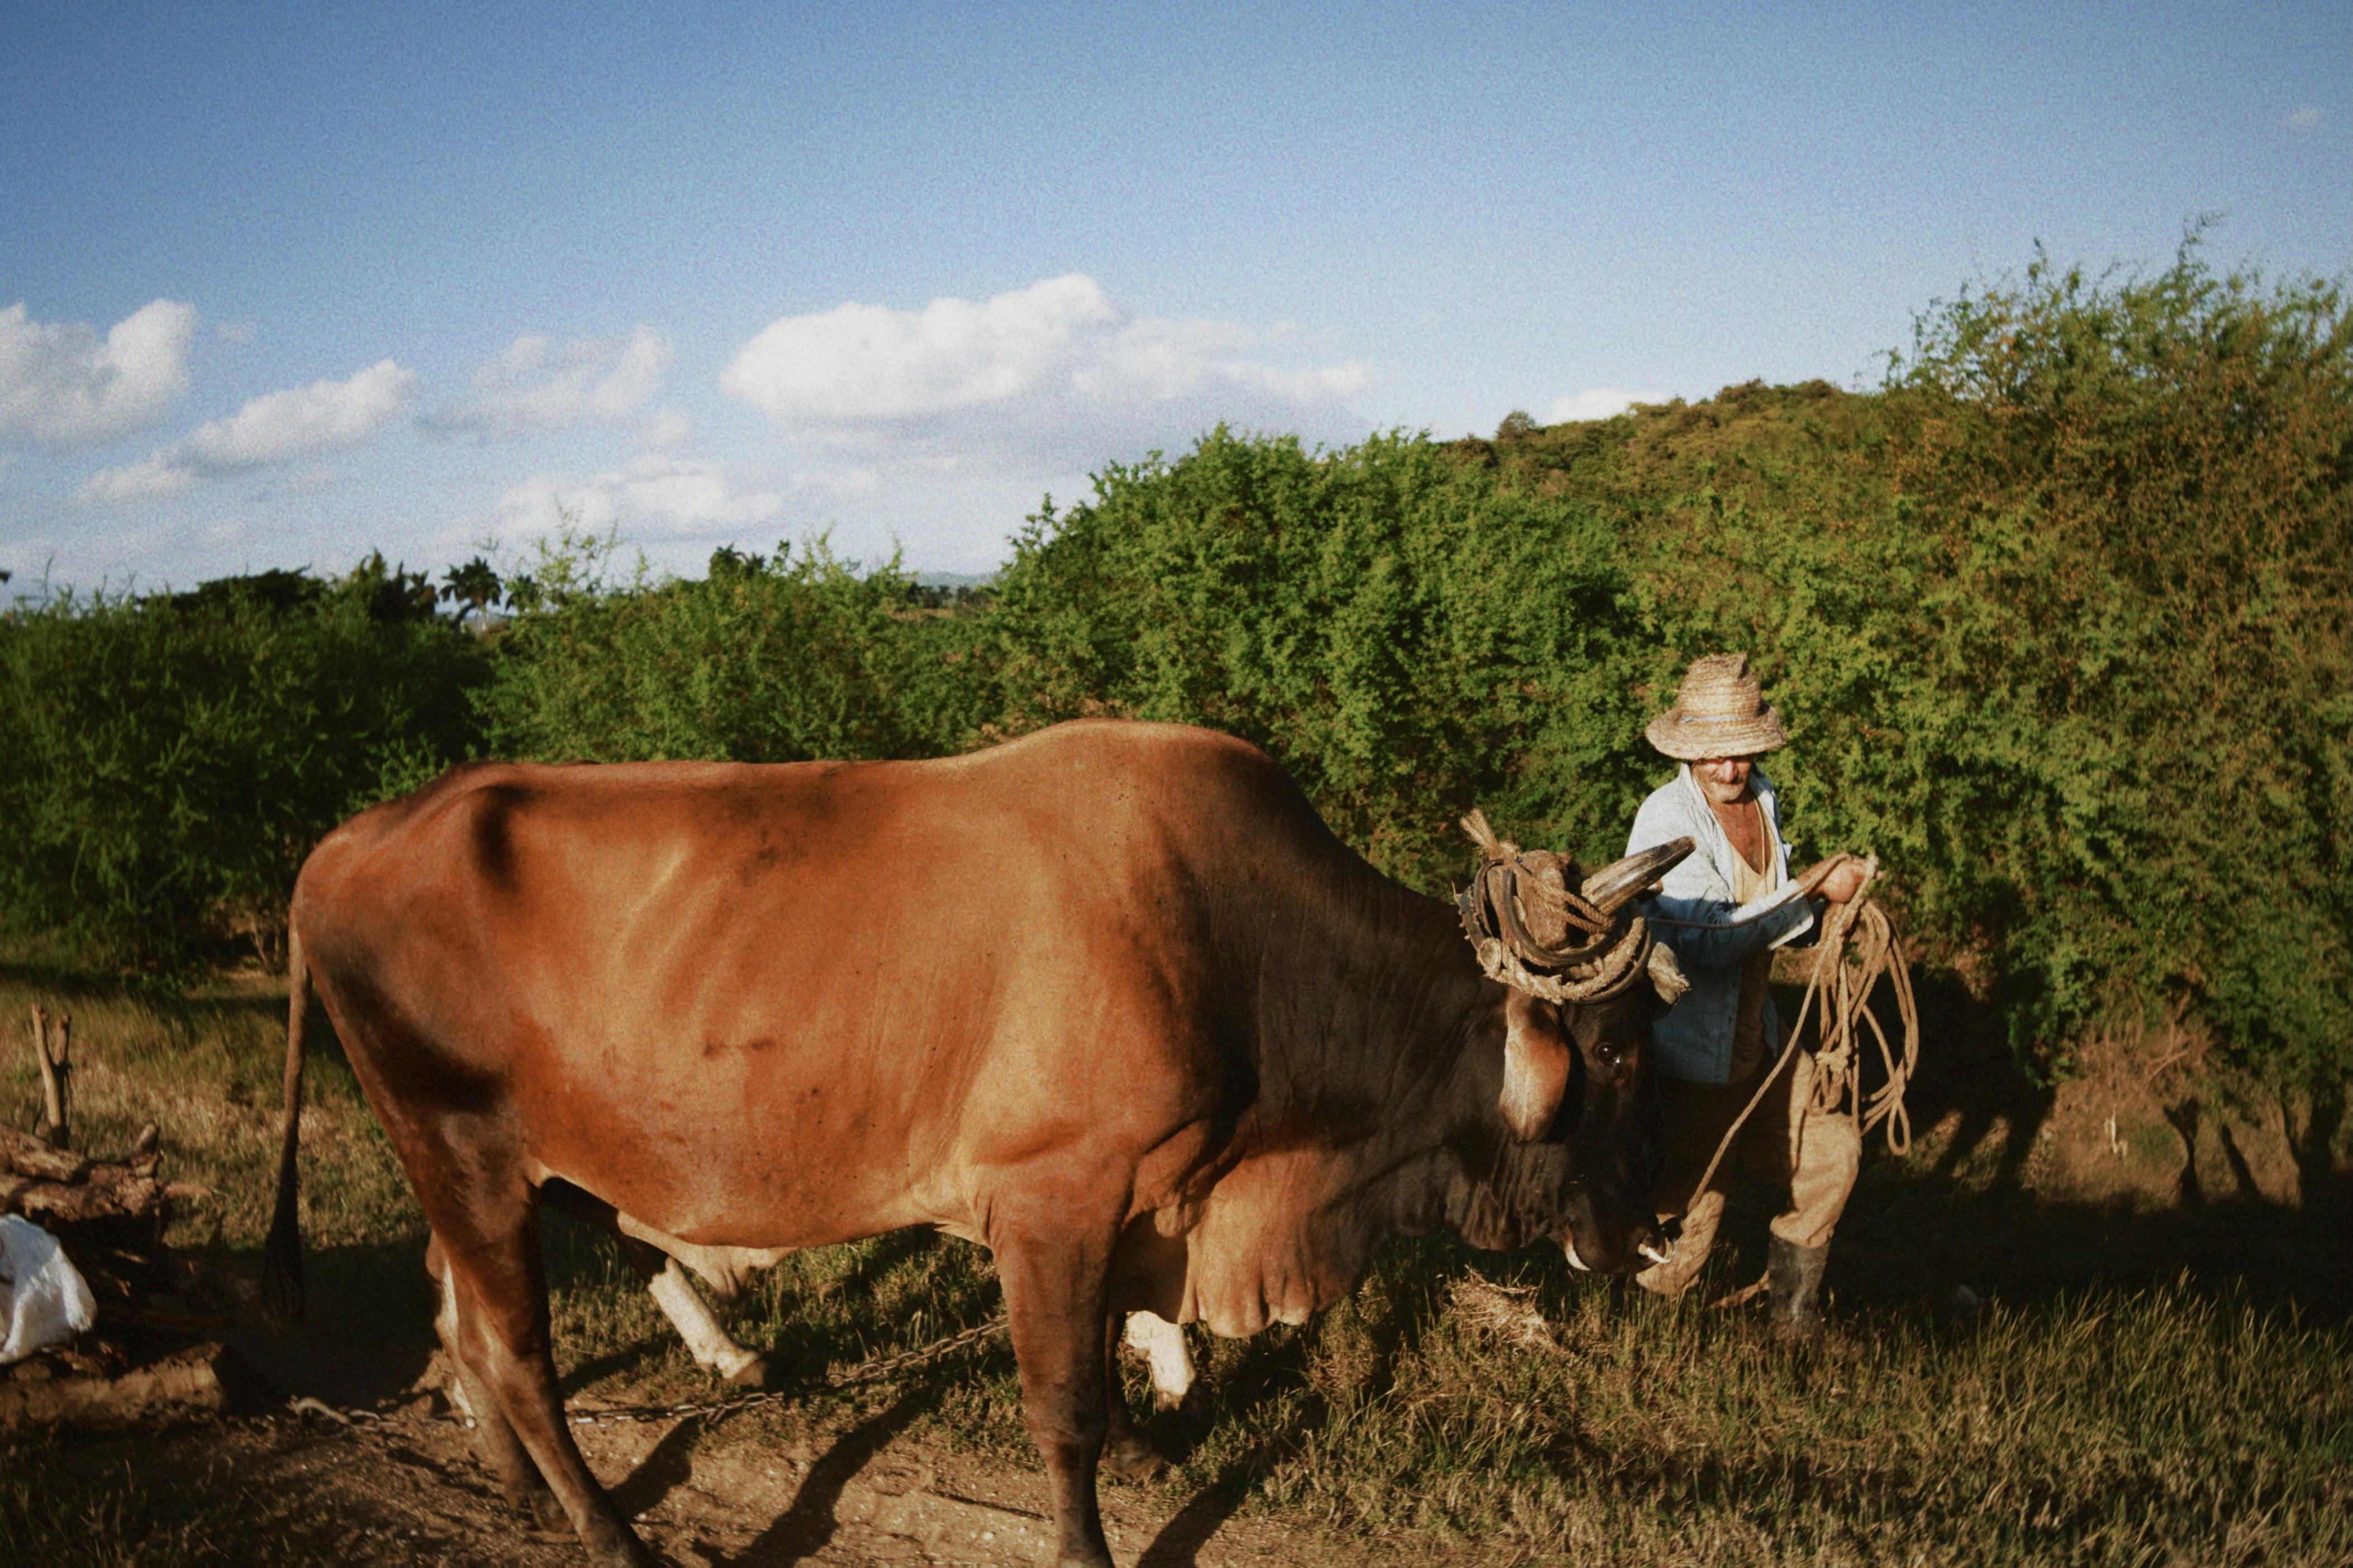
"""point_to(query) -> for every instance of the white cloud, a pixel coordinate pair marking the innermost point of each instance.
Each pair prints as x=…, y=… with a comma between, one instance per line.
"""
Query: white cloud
x=303, y=479
x=665, y=428
x=63, y=386
x=860, y=363
x=534, y=383
x=839, y=482
x=304, y=421
x=1597, y=403
x=654, y=496
x=1056, y=372
x=279, y=427
x=152, y=478
x=2305, y=119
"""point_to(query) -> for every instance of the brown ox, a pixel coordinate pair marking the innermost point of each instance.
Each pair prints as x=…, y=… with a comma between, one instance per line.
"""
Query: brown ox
x=1111, y=1001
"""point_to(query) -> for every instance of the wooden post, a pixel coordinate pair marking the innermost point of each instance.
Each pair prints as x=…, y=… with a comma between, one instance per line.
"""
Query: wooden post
x=50, y=1097
x=61, y=1048
x=56, y=1077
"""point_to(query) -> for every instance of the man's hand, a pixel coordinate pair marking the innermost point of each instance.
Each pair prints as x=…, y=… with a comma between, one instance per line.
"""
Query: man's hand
x=1837, y=880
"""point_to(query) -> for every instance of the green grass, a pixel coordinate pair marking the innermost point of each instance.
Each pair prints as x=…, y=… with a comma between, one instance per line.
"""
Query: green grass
x=2201, y=1420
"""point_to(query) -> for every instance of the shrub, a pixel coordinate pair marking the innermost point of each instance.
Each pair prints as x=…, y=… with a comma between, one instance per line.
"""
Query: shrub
x=779, y=658
x=2137, y=501
x=170, y=759
x=1405, y=638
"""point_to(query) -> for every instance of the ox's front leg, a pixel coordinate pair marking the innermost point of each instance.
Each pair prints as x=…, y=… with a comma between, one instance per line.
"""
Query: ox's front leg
x=1057, y=1291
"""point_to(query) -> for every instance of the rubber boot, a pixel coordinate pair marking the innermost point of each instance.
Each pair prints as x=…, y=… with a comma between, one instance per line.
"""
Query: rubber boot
x=1794, y=1276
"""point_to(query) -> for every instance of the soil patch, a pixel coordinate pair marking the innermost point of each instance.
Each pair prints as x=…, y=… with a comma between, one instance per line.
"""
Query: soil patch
x=409, y=1490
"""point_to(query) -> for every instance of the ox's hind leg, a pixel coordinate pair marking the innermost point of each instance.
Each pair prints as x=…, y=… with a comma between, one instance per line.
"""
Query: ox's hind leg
x=494, y=1436
x=1057, y=1295
x=1126, y=1450
x=489, y=1238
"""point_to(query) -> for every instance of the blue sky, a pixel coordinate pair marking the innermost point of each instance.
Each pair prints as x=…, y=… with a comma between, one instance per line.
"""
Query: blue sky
x=282, y=285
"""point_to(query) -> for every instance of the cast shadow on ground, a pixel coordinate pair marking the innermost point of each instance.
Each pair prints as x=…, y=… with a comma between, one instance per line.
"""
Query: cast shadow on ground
x=366, y=1333
x=1179, y=1542
x=666, y=1468
x=804, y=1529
x=1968, y=1214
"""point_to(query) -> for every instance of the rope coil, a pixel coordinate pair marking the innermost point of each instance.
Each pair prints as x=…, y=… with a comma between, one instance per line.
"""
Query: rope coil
x=1842, y=982
x=1534, y=932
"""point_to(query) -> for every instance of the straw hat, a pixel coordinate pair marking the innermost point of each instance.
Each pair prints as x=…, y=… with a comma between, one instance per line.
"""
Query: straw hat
x=1719, y=711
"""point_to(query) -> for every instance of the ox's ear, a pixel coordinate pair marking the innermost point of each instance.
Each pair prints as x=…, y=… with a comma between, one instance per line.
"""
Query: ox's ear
x=1538, y=1057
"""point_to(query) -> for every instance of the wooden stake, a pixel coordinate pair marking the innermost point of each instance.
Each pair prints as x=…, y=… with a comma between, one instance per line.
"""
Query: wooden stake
x=61, y=1047
x=56, y=1077
x=49, y=1106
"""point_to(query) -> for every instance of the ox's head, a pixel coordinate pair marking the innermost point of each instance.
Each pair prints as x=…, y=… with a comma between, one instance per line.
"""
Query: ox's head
x=1578, y=1075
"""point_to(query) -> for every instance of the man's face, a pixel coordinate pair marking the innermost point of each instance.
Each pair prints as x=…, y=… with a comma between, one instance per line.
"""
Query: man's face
x=1725, y=780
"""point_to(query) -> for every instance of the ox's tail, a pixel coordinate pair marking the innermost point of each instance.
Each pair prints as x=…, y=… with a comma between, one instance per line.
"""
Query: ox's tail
x=282, y=1258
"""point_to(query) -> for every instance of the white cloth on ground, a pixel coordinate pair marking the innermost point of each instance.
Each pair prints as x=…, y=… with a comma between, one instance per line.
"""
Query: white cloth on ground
x=43, y=1296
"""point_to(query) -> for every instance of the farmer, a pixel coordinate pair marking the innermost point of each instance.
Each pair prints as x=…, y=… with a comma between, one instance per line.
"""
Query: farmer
x=1719, y=910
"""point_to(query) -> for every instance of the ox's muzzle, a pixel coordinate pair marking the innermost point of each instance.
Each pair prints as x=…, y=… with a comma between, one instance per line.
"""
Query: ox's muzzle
x=1595, y=1246
x=1660, y=1251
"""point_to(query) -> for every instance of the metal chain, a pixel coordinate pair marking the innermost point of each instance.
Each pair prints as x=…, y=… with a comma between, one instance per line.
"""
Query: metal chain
x=865, y=1371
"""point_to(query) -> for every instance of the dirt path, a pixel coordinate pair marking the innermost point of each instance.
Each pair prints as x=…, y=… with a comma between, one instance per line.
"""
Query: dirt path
x=409, y=1491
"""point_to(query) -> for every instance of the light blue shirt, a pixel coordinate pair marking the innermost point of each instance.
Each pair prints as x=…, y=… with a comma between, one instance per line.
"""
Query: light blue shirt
x=1697, y=914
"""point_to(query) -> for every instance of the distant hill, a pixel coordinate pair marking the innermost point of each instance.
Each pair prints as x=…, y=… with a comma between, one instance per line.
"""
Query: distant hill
x=955, y=579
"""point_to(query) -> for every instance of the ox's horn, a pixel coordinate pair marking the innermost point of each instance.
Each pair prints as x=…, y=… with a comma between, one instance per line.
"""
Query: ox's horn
x=1620, y=883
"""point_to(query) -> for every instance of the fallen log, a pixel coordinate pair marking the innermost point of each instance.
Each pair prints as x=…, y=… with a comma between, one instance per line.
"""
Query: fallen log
x=111, y=1192
x=185, y=1383
x=31, y=1156
x=56, y=1187
x=109, y=1216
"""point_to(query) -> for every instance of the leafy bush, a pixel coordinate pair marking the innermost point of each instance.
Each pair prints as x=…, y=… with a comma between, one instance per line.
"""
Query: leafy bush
x=2062, y=624
x=1405, y=636
x=766, y=659
x=170, y=759
x=2137, y=503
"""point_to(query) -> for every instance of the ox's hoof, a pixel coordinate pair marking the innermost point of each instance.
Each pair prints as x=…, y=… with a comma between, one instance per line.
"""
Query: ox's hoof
x=759, y=1373
x=539, y=1505
x=1131, y=1458
x=612, y=1544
